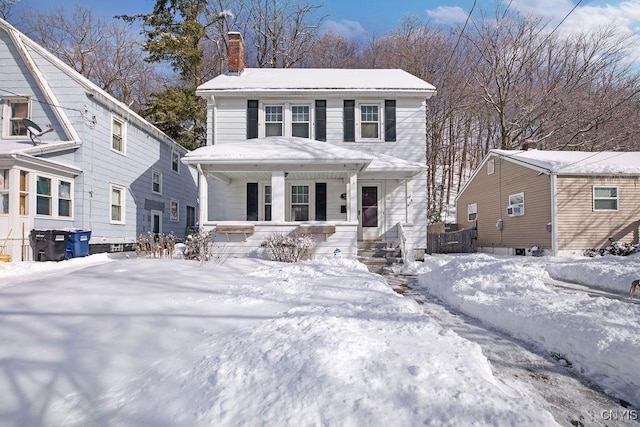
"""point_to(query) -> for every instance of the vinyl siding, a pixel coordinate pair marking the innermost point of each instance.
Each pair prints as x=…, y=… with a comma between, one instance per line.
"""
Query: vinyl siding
x=230, y=127
x=491, y=193
x=100, y=165
x=580, y=227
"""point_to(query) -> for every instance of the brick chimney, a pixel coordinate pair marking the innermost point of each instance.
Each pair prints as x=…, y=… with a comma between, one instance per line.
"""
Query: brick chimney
x=236, y=54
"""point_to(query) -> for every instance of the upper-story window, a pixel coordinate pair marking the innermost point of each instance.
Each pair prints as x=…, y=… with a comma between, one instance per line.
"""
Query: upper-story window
x=369, y=121
x=118, y=135
x=300, y=121
x=156, y=181
x=175, y=161
x=307, y=120
x=273, y=120
x=15, y=109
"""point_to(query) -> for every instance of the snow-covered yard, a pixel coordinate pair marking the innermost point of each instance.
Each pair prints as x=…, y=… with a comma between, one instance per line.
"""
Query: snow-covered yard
x=132, y=341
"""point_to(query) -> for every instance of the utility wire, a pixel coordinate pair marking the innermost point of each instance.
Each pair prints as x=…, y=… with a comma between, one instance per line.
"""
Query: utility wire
x=41, y=102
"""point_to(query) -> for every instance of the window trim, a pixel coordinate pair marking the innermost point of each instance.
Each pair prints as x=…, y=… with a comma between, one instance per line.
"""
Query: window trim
x=123, y=203
x=154, y=173
x=70, y=200
x=511, y=203
x=7, y=115
x=53, y=198
x=311, y=203
x=175, y=160
x=308, y=121
x=616, y=198
x=123, y=137
x=4, y=191
x=359, y=121
x=282, y=122
x=176, y=217
x=472, y=209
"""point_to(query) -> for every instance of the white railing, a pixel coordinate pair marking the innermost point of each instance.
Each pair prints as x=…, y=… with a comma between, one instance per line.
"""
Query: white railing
x=405, y=247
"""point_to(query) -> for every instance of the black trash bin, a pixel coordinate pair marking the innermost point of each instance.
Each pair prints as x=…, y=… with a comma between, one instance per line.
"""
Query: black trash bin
x=49, y=245
x=77, y=244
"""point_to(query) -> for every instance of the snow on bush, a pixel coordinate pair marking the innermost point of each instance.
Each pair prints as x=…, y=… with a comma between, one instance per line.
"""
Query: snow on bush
x=199, y=246
x=291, y=248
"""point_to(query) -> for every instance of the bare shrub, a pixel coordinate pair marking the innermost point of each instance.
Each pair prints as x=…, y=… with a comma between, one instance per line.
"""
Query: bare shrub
x=292, y=248
x=155, y=245
x=199, y=246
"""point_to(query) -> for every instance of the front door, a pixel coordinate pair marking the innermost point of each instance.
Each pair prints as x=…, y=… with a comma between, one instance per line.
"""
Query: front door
x=369, y=211
x=156, y=222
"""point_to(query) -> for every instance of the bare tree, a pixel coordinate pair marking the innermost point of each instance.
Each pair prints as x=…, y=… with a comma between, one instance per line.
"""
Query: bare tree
x=283, y=31
x=333, y=51
x=7, y=7
x=105, y=52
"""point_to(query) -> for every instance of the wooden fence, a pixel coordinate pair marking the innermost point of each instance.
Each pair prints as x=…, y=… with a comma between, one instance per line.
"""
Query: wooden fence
x=462, y=241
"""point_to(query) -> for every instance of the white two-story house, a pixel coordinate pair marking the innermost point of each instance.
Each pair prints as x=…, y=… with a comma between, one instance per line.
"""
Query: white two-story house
x=72, y=157
x=337, y=153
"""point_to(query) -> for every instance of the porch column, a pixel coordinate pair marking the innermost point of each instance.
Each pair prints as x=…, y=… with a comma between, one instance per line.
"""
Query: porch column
x=203, y=196
x=352, y=187
x=277, y=196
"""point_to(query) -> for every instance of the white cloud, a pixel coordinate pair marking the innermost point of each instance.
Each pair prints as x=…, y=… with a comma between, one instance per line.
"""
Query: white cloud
x=349, y=29
x=447, y=14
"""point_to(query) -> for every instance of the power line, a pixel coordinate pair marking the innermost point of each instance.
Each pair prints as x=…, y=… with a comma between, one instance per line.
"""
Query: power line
x=41, y=102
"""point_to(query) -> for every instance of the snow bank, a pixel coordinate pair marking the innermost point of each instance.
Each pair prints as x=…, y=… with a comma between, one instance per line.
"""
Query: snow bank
x=598, y=336
x=613, y=273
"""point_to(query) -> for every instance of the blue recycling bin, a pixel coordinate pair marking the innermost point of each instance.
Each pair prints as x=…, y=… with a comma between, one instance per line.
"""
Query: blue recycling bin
x=77, y=244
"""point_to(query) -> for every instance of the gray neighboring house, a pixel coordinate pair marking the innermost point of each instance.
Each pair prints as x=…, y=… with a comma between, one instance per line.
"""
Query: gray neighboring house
x=82, y=159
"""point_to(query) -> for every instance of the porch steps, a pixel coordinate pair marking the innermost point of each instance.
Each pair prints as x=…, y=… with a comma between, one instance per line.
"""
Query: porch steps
x=379, y=256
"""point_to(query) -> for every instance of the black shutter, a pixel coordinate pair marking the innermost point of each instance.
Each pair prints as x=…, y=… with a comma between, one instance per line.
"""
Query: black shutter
x=252, y=119
x=389, y=120
x=321, y=201
x=349, y=120
x=252, y=201
x=321, y=120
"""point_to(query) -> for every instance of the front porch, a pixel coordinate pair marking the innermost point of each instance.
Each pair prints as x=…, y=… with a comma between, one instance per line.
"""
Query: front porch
x=251, y=190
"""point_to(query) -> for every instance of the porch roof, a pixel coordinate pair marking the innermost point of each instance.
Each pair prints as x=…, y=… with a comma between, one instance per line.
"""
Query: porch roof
x=299, y=155
x=275, y=153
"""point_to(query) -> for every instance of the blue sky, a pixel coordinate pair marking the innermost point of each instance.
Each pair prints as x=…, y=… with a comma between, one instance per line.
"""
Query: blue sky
x=376, y=17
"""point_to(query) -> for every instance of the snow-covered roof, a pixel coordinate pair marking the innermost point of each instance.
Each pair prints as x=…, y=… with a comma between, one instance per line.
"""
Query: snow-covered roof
x=277, y=150
x=297, y=154
x=576, y=162
x=316, y=79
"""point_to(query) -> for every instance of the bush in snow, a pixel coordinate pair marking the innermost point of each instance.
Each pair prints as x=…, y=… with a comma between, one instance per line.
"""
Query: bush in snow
x=156, y=245
x=199, y=246
x=292, y=248
x=614, y=248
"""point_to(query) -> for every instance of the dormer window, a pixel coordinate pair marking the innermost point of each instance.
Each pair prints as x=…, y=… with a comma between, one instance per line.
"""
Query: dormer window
x=16, y=109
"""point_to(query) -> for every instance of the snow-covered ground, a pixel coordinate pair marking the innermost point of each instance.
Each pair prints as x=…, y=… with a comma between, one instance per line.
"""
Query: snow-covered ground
x=598, y=336
x=130, y=341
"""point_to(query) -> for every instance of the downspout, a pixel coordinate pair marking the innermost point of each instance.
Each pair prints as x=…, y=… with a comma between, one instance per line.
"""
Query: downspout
x=48, y=93
x=554, y=215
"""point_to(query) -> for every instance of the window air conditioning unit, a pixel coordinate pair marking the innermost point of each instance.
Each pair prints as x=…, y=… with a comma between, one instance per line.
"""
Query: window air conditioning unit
x=515, y=210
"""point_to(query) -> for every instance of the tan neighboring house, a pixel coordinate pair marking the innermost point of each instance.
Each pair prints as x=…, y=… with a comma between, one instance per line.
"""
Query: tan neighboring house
x=561, y=201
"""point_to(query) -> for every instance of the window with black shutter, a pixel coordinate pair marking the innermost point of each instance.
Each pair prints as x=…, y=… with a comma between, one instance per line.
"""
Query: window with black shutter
x=252, y=201
x=321, y=201
x=389, y=120
x=321, y=120
x=349, y=120
x=252, y=119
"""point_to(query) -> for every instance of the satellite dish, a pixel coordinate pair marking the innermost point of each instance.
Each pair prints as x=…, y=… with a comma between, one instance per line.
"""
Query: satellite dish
x=34, y=130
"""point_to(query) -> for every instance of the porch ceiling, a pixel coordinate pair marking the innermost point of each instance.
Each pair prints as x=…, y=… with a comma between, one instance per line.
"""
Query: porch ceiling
x=266, y=175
